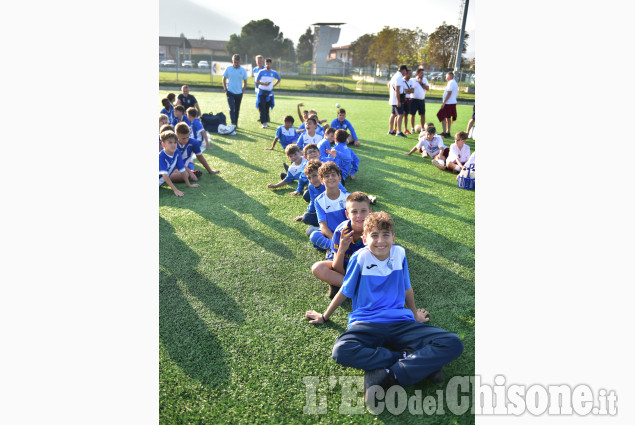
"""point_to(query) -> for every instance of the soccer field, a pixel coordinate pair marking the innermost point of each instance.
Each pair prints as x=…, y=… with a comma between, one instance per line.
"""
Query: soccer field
x=235, y=271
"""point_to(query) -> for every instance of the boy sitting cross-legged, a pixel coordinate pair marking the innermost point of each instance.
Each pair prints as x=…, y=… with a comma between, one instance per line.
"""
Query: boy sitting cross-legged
x=387, y=340
x=285, y=134
x=189, y=148
x=298, y=162
x=309, y=152
x=330, y=206
x=315, y=189
x=171, y=164
x=347, y=239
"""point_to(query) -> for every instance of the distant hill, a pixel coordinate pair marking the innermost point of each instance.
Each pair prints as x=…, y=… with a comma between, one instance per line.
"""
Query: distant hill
x=183, y=16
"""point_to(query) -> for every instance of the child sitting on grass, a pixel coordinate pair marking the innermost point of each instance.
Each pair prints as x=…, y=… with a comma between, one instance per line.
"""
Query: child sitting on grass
x=345, y=158
x=325, y=145
x=330, y=206
x=189, y=148
x=310, y=152
x=429, y=143
x=171, y=166
x=457, y=154
x=310, y=135
x=180, y=116
x=163, y=120
x=168, y=109
x=342, y=123
x=347, y=239
x=197, y=131
x=295, y=169
x=285, y=134
x=315, y=189
x=390, y=342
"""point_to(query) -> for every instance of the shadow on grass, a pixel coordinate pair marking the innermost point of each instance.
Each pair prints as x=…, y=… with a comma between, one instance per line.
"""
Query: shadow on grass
x=228, y=200
x=182, y=331
x=232, y=158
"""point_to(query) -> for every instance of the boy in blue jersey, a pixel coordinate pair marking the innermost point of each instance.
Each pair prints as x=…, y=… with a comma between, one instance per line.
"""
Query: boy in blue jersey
x=342, y=123
x=330, y=206
x=347, y=239
x=387, y=340
x=285, y=134
x=163, y=120
x=197, y=132
x=309, y=152
x=168, y=109
x=325, y=145
x=345, y=158
x=298, y=162
x=190, y=148
x=180, y=116
x=171, y=163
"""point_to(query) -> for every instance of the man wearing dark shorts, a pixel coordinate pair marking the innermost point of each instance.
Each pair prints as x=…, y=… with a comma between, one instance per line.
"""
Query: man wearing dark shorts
x=396, y=90
x=417, y=101
x=447, y=113
x=187, y=100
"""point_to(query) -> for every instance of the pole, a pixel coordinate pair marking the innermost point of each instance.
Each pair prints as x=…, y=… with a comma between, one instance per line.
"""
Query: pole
x=459, y=48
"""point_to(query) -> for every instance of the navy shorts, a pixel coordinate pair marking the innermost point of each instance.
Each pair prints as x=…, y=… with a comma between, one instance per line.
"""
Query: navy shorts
x=418, y=105
x=397, y=110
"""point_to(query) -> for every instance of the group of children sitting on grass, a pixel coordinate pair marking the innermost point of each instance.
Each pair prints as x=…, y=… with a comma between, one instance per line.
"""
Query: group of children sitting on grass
x=392, y=343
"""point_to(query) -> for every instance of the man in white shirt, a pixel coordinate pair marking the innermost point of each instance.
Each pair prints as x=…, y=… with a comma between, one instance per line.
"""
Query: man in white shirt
x=417, y=101
x=396, y=90
x=447, y=113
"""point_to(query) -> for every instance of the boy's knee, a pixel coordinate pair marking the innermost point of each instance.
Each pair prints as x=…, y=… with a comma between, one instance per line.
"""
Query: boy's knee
x=340, y=353
x=454, y=344
x=315, y=269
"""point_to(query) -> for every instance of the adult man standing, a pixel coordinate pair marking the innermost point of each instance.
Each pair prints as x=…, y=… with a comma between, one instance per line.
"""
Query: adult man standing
x=396, y=100
x=266, y=84
x=418, y=100
x=408, y=89
x=260, y=65
x=447, y=113
x=234, y=83
x=187, y=100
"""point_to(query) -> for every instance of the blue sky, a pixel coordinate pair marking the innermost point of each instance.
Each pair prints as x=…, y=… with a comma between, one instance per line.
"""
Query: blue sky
x=218, y=20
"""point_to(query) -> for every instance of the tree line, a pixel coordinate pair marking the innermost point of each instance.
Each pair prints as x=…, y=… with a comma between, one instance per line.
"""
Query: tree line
x=389, y=46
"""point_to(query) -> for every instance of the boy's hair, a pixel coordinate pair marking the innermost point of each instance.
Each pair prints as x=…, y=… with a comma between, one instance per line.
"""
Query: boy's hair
x=341, y=111
x=166, y=127
x=330, y=130
x=171, y=97
x=258, y=56
x=309, y=147
x=312, y=166
x=163, y=117
x=341, y=135
x=168, y=135
x=291, y=149
x=312, y=118
x=313, y=112
x=182, y=128
x=379, y=221
x=358, y=197
x=268, y=60
x=327, y=168
x=461, y=135
x=180, y=108
x=429, y=124
x=166, y=103
x=288, y=118
x=431, y=129
x=192, y=112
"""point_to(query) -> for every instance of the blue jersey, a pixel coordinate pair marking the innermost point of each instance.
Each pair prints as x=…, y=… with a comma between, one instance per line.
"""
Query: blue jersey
x=378, y=288
x=322, y=147
x=318, y=130
x=168, y=163
x=303, y=180
x=286, y=137
x=196, y=130
x=235, y=77
x=183, y=119
x=294, y=171
x=255, y=74
x=331, y=210
x=344, y=125
x=265, y=76
x=169, y=113
x=314, y=192
x=192, y=147
x=352, y=248
x=346, y=160
x=305, y=139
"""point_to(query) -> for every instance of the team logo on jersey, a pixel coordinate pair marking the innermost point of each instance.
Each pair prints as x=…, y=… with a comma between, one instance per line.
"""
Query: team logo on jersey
x=371, y=266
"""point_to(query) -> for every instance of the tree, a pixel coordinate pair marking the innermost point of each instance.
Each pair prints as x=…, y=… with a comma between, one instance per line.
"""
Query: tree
x=304, y=51
x=442, y=45
x=395, y=46
x=261, y=37
x=360, y=48
x=384, y=48
x=411, y=44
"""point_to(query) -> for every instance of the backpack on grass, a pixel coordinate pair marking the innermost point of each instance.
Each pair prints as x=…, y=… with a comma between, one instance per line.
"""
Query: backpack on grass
x=211, y=122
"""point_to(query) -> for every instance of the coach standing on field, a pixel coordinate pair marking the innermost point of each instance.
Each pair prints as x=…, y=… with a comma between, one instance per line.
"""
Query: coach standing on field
x=447, y=113
x=187, y=100
x=234, y=83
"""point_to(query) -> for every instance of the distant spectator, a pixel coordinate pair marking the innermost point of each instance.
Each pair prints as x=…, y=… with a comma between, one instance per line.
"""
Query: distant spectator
x=396, y=101
x=418, y=99
x=447, y=113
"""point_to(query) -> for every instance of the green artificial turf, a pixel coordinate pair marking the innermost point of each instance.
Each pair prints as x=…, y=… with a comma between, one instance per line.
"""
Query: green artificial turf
x=235, y=271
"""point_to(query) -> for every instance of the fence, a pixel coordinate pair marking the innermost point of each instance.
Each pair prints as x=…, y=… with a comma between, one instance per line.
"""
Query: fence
x=335, y=78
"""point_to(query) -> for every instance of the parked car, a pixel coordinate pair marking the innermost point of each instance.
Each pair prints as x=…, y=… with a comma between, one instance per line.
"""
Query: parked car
x=187, y=64
x=203, y=64
x=168, y=62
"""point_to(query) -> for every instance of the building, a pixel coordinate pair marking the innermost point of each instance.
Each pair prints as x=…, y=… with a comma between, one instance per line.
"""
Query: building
x=181, y=48
x=208, y=47
x=343, y=53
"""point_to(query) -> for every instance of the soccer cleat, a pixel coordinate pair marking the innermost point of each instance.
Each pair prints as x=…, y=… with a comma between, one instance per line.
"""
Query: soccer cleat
x=435, y=377
x=406, y=131
x=373, y=199
x=376, y=377
x=391, y=133
x=437, y=164
x=413, y=131
x=424, y=154
x=400, y=134
x=282, y=176
x=265, y=125
x=286, y=167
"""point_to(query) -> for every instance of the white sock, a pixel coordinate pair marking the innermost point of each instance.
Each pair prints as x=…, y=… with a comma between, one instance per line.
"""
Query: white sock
x=457, y=168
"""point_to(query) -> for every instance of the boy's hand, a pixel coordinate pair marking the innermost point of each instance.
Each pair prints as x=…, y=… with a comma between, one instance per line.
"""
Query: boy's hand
x=298, y=218
x=270, y=185
x=352, y=176
x=194, y=185
x=300, y=104
x=294, y=193
x=406, y=153
x=192, y=175
x=214, y=172
x=422, y=315
x=314, y=317
x=332, y=152
x=346, y=239
x=268, y=149
x=178, y=192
